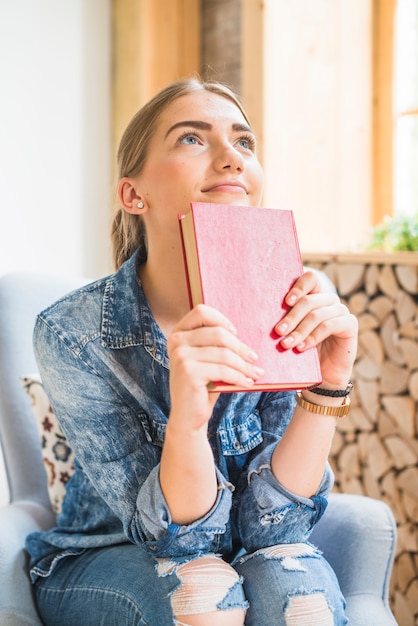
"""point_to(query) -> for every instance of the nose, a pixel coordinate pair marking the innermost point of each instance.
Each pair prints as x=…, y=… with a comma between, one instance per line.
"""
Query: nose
x=229, y=158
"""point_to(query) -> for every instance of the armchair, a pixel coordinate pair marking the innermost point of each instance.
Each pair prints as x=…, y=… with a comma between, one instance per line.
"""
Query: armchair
x=350, y=522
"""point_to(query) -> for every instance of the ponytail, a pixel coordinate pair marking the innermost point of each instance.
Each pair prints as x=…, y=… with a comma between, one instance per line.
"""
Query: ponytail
x=127, y=235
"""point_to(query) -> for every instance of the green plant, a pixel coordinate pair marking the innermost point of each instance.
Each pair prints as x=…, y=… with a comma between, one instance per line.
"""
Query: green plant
x=396, y=234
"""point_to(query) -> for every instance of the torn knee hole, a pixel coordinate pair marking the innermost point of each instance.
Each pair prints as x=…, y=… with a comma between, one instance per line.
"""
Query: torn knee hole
x=310, y=609
x=290, y=555
x=204, y=584
x=283, y=550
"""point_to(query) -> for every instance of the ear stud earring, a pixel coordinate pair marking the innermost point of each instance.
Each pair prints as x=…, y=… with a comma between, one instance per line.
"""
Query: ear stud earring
x=140, y=205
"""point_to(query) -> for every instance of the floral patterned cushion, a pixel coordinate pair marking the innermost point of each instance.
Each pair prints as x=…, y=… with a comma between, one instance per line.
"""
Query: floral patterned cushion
x=57, y=455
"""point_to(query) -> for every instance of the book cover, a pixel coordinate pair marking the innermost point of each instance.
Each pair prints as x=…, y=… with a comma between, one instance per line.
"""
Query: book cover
x=243, y=261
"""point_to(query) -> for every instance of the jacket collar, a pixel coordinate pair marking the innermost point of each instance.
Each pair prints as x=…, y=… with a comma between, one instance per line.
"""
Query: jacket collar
x=126, y=317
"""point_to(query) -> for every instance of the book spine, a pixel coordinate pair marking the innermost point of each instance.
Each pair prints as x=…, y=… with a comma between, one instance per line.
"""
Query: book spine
x=189, y=291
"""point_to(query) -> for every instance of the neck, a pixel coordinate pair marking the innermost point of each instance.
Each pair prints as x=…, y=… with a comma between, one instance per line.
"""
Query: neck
x=164, y=282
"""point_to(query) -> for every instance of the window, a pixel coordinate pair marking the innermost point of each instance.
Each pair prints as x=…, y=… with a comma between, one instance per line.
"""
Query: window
x=405, y=108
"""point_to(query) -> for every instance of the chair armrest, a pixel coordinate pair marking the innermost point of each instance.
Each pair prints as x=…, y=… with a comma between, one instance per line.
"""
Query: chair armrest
x=354, y=530
x=17, y=520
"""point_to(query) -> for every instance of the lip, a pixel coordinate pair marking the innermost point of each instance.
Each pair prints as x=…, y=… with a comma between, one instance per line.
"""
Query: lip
x=227, y=186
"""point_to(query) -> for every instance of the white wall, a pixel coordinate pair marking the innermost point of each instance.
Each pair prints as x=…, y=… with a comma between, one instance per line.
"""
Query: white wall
x=55, y=188
x=317, y=118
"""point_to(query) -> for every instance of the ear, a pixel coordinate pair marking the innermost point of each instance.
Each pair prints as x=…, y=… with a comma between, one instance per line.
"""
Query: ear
x=129, y=197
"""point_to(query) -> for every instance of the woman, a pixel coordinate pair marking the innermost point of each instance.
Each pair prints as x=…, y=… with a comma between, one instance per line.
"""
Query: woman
x=164, y=522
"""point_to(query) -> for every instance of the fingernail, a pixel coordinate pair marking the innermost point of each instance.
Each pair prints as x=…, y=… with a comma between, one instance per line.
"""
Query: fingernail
x=252, y=356
x=288, y=341
x=291, y=299
x=301, y=346
x=258, y=372
x=282, y=328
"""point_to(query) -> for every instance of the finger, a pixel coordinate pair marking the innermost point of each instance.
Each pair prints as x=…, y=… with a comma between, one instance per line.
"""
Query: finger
x=302, y=308
x=338, y=327
x=203, y=315
x=206, y=374
x=207, y=364
x=203, y=336
x=316, y=325
x=307, y=283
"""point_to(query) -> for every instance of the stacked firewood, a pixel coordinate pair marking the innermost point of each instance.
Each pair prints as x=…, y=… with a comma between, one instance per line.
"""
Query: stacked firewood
x=375, y=450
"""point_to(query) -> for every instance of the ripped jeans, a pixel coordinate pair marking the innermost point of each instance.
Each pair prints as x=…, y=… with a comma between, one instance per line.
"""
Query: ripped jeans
x=285, y=585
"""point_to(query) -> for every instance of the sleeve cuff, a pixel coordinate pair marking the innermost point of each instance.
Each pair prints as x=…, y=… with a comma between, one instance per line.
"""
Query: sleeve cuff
x=163, y=537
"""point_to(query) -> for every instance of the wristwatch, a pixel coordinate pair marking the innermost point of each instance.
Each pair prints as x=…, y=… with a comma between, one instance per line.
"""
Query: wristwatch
x=320, y=409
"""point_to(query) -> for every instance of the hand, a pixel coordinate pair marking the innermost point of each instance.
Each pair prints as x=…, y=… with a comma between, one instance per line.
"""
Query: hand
x=320, y=319
x=203, y=348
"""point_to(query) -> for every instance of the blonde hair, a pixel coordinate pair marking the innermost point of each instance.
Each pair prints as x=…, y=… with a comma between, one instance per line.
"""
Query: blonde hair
x=128, y=231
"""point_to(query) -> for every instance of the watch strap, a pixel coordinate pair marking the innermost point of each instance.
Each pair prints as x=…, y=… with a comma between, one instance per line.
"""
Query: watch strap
x=332, y=393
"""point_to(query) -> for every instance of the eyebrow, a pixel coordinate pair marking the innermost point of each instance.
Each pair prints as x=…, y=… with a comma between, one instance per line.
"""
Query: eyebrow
x=199, y=125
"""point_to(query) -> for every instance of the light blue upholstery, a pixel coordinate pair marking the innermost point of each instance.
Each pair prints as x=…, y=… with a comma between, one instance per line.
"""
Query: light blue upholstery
x=22, y=296
x=350, y=523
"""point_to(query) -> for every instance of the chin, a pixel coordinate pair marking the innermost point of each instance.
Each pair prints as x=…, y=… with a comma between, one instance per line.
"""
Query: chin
x=238, y=202
x=232, y=199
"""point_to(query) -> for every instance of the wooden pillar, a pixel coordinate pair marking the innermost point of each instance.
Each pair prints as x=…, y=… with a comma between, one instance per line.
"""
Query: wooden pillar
x=252, y=66
x=154, y=43
x=383, y=121
x=221, y=42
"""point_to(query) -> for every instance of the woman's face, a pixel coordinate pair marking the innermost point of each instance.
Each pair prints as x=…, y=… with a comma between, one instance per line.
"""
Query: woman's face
x=202, y=151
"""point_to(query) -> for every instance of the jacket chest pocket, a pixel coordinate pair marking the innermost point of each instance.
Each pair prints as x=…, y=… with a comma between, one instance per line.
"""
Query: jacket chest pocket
x=241, y=437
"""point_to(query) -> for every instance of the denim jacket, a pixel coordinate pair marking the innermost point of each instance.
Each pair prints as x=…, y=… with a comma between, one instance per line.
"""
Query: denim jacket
x=104, y=364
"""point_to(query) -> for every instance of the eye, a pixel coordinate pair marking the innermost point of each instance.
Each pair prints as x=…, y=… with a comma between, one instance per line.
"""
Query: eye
x=247, y=142
x=190, y=139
